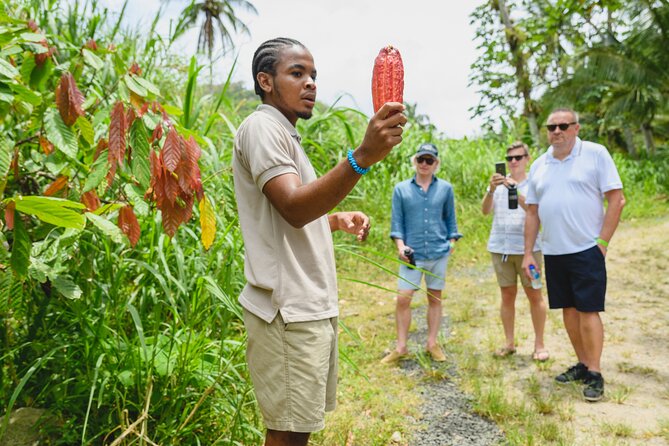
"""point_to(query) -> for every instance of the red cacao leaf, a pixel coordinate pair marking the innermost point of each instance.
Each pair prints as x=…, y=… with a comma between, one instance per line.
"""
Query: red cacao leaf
x=171, y=186
x=156, y=166
x=56, y=186
x=69, y=99
x=117, y=131
x=102, y=146
x=42, y=57
x=91, y=200
x=14, y=165
x=157, y=133
x=129, y=225
x=32, y=26
x=130, y=117
x=171, y=153
x=9, y=215
x=193, y=152
x=91, y=45
x=134, y=69
x=171, y=218
x=46, y=145
x=110, y=174
x=387, y=77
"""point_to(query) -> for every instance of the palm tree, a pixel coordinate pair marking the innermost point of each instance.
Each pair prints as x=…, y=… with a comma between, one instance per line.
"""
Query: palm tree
x=626, y=83
x=216, y=14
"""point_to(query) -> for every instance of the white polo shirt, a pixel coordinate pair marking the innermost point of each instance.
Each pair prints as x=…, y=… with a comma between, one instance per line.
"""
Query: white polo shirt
x=288, y=269
x=570, y=195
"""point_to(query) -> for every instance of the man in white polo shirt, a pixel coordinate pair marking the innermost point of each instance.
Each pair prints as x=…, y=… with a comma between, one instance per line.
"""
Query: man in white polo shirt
x=567, y=188
x=290, y=299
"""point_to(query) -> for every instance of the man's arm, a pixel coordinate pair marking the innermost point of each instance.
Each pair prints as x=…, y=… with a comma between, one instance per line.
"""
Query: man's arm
x=487, y=204
x=615, y=201
x=531, y=231
x=300, y=203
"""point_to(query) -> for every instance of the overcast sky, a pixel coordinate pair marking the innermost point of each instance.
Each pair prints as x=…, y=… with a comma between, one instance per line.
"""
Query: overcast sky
x=344, y=36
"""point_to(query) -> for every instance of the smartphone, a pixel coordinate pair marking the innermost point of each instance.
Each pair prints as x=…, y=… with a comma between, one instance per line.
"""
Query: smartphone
x=500, y=168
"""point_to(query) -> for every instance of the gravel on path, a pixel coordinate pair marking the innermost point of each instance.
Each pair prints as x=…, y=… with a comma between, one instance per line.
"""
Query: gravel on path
x=447, y=416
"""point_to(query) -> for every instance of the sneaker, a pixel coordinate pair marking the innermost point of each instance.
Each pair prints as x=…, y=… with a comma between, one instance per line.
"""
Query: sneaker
x=594, y=387
x=574, y=373
x=393, y=357
x=437, y=353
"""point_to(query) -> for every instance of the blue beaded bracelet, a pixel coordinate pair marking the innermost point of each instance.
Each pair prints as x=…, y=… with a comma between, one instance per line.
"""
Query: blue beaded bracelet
x=354, y=164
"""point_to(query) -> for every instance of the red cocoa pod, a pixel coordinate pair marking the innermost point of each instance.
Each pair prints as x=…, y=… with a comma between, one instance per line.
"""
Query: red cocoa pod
x=387, y=77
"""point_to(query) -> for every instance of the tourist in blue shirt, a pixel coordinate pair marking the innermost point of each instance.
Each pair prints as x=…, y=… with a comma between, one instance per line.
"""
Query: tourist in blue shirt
x=423, y=227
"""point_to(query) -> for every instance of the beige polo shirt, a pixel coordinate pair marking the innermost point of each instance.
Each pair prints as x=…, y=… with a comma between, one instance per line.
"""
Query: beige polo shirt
x=287, y=269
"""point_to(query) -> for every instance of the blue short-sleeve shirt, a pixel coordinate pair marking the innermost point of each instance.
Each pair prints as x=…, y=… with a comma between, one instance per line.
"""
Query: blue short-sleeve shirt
x=425, y=220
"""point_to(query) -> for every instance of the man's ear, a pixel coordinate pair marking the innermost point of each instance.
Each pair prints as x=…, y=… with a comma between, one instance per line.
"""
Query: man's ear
x=266, y=82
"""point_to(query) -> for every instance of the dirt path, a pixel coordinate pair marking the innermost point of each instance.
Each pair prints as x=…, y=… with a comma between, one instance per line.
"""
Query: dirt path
x=636, y=352
x=635, y=362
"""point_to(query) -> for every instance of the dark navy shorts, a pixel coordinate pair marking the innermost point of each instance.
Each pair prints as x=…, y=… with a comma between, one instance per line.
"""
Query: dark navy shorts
x=576, y=280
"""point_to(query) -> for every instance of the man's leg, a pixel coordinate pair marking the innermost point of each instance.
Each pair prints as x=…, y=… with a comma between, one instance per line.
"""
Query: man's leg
x=433, y=316
x=592, y=340
x=538, y=312
x=279, y=438
x=572, y=323
x=403, y=319
x=507, y=311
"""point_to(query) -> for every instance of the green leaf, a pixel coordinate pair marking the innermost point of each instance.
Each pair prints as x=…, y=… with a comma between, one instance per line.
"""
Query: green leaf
x=148, y=85
x=108, y=208
x=172, y=110
x=60, y=134
x=26, y=94
x=96, y=174
x=66, y=287
x=8, y=70
x=21, y=247
x=6, y=146
x=135, y=195
x=32, y=37
x=27, y=67
x=134, y=86
x=6, y=279
x=139, y=141
x=92, y=59
x=86, y=129
x=107, y=227
x=55, y=211
x=6, y=97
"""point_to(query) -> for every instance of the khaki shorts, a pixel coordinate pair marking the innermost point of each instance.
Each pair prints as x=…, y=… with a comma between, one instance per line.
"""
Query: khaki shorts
x=509, y=267
x=294, y=371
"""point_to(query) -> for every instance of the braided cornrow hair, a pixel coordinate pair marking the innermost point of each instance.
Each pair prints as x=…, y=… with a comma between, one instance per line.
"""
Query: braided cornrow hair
x=267, y=56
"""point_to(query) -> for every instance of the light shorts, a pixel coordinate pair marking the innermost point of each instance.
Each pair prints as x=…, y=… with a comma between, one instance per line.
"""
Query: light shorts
x=507, y=270
x=410, y=277
x=294, y=371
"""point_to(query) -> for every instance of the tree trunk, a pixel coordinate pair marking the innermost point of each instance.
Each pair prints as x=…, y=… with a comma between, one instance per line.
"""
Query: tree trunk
x=629, y=142
x=524, y=84
x=648, y=138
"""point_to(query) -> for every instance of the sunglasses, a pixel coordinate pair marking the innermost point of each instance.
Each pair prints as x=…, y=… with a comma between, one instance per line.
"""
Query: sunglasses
x=564, y=126
x=515, y=157
x=425, y=159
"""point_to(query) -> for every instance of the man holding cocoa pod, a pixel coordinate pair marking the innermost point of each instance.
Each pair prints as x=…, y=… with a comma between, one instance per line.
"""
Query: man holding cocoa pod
x=290, y=299
x=423, y=223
